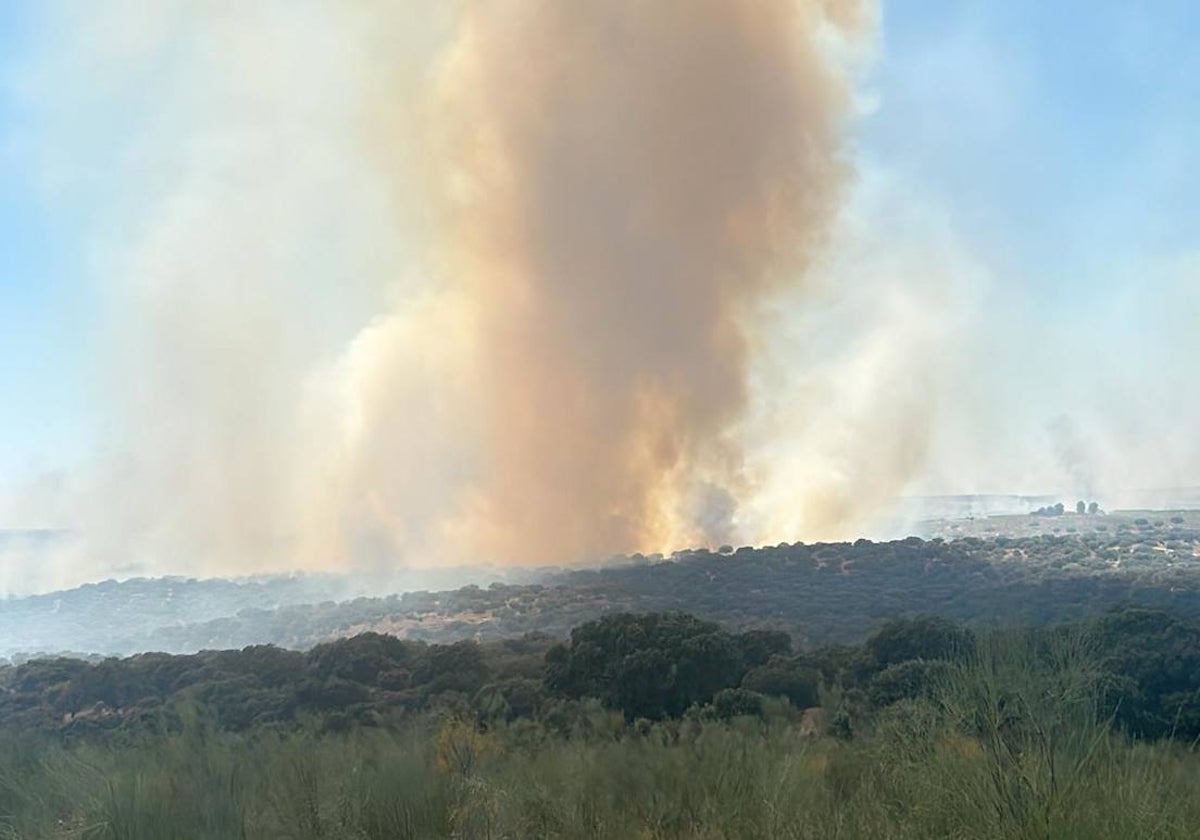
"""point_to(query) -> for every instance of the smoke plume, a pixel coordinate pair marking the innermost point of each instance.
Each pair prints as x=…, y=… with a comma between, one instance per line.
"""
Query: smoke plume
x=401, y=284
x=627, y=181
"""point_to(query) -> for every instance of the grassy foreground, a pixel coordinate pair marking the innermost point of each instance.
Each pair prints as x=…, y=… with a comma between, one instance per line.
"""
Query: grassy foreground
x=1010, y=744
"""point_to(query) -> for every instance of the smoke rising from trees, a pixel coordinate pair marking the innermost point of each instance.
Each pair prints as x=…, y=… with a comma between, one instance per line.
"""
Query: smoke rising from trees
x=513, y=281
x=553, y=226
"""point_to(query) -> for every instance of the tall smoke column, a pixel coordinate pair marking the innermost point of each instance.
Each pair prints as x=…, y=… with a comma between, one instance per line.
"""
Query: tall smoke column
x=417, y=283
x=625, y=181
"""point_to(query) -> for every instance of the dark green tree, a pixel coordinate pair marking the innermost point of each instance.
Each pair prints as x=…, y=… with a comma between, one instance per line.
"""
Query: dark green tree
x=923, y=637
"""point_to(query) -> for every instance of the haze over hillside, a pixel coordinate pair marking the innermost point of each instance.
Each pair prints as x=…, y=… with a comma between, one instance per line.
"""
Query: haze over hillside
x=28, y=554
x=1041, y=568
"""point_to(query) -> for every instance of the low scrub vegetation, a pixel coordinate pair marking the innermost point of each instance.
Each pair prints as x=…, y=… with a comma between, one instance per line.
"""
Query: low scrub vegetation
x=655, y=726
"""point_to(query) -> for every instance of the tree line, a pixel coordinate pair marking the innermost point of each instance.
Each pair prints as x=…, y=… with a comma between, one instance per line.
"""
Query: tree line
x=652, y=667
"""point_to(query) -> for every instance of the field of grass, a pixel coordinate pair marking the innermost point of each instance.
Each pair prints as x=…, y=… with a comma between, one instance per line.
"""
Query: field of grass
x=1009, y=743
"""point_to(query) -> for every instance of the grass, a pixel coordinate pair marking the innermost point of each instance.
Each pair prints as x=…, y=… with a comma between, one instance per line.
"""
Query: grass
x=1010, y=744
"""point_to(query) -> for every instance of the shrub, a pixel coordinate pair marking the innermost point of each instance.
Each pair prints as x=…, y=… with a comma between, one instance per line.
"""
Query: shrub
x=737, y=702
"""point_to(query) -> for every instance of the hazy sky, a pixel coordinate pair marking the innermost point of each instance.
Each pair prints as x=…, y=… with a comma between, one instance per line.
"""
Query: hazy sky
x=1054, y=146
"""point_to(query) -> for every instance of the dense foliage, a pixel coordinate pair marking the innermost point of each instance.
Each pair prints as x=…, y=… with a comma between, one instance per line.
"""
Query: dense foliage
x=981, y=735
x=351, y=680
x=655, y=666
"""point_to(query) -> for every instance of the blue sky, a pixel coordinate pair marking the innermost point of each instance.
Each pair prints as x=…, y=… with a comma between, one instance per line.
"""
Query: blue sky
x=1062, y=139
x=1063, y=134
x=43, y=311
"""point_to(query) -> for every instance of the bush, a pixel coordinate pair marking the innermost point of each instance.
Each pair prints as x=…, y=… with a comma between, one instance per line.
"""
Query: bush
x=924, y=637
x=737, y=702
x=907, y=681
x=784, y=678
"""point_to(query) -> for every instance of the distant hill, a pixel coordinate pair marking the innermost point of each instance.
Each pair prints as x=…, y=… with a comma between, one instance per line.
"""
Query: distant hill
x=121, y=617
x=822, y=593
x=128, y=616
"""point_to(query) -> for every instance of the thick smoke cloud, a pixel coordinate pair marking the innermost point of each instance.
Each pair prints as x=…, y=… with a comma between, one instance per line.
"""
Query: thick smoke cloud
x=425, y=286
x=627, y=181
x=556, y=221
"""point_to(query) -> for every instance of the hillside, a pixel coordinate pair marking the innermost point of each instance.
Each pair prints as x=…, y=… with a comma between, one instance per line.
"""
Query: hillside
x=122, y=617
x=820, y=594
x=825, y=593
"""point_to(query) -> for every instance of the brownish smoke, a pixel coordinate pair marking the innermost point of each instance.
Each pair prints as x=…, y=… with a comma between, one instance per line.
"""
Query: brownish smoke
x=614, y=187
x=625, y=180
